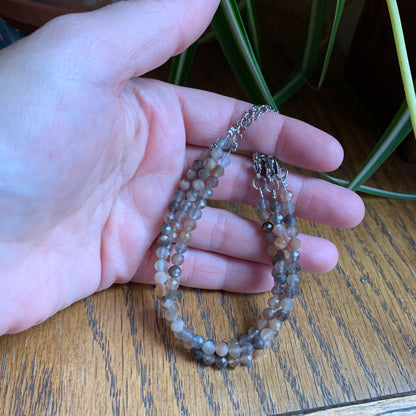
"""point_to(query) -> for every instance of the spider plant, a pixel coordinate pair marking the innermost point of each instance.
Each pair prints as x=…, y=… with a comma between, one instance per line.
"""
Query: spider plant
x=241, y=46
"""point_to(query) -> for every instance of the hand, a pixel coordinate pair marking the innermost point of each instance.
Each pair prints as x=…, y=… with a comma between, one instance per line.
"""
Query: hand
x=90, y=155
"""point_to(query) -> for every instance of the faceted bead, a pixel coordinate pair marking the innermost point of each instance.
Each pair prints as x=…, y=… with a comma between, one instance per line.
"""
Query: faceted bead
x=234, y=349
x=192, y=195
x=179, y=217
x=291, y=291
x=166, y=229
x=262, y=204
x=209, y=347
x=179, y=195
x=258, y=342
x=279, y=278
x=212, y=182
x=246, y=360
x=278, y=290
x=279, y=230
x=185, y=236
x=197, y=353
x=275, y=205
x=163, y=241
x=191, y=174
x=288, y=208
x=187, y=334
x=267, y=227
x=208, y=359
x=175, y=271
x=280, y=266
x=171, y=313
x=222, y=349
x=206, y=193
x=161, y=291
x=272, y=250
x=269, y=313
x=161, y=265
x=262, y=323
x=276, y=218
x=184, y=184
x=217, y=171
x=224, y=161
x=264, y=215
x=268, y=334
x=169, y=217
x=198, y=184
x=290, y=220
x=293, y=279
x=246, y=348
x=195, y=213
x=216, y=153
x=221, y=362
x=197, y=341
x=223, y=142
x=200, y=203
x=292, y=231
x=197, y=164
x=189, y=224
x=273, y=302
x=178, y=259
x=168, y=300
x=234, y=362
x=243, y=339
x=173, y=206
x=282, y=315
x=286, y=304
x=270, y=238
x=253, y=331
x=209, y=163
x=293, y=267
x=286, y=195
x=172, y=284
x=162, y=253
x=204, y=174
x=205, y=154
x=160, y=277
x=294, y=255
x=180, y=247
x=280, y=242
x=275, y=325
x=294, y=243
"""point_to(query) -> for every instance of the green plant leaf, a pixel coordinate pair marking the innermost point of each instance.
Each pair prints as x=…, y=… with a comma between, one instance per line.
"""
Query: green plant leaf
x=396, y=132
x=373, y=191
x=253, y=28
x=230, y=32
x=310, y=54
x=335, y=25
x=181, y=65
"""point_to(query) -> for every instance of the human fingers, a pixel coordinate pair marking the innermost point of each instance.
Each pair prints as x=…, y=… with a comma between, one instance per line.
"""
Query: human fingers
x=208, y=116
x=316, y=200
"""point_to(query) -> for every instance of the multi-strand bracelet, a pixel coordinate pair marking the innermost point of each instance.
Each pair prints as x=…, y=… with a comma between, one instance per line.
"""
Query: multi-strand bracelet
x=276, y=211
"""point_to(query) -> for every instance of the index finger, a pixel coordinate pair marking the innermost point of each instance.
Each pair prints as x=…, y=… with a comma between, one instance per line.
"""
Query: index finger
x=208, y=116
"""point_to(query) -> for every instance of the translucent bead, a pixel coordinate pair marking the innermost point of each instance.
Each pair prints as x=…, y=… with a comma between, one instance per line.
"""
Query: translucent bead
x=192, y=195
x=295, y=243
x=184, y=184
x=258, y=342
x=171, y=313
x=280, y=242
x=246, y=360
x=160, y=277
x=273, y=302
x=173, y=206
x=293, y=279
x=294, y=255
x=161, y=266
x=269, y=313
x=288, y=208
x=216, y=153
x=180, y=247
x=197, y=353
x=222, y=349
x=200, y=203
x=198, y=184
x=272, y=250
x=162, y=253
x=185, y=236
x=290, y=220
x=163, y=241
x=218, y=171
x=161, y=291
x=223, y=142
x=175, y=271
x=167, y=301
x=189, y=224
x=279, y=278
x=280, y=266
x=234, y=349
x=278, y=290
x=262, y=204
x=234, y=362
x=292, y=231
x=247, y=348
x=291, y=291
x=206, y=193
x=205, y=154
x=187, y=335
x=293, y=268
x=279, y=230
x=166, y=229
x=197, y=164
x=195, y=213
x=243, y=339
x=275, y=205
x=204, y=174
x=197, y=341
x=282, y=315
x=286, y=195
x=168, y=217
x=209, y=347
x=179, y=195
x=262, y=323
x=212, y=182
x=209, y=163
x=208, y=359
x=172, y=283
x=268, y=334
x=264, y=215
x=276, y=218
x=178, y=259
x=221, y=362
x=286, y=304
x=225, y=161
x=253, y=331
x=275, y=325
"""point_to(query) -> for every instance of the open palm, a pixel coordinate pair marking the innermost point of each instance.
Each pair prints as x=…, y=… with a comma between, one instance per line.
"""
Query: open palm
x=90, y=155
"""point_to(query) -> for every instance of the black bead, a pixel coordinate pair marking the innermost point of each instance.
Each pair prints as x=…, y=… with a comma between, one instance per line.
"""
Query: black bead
x=267, y=227
x=197, y=353
x=258, y=342
x=221, y=362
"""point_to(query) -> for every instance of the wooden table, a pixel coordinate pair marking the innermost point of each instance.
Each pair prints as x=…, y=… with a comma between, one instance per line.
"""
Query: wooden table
x=349, y=348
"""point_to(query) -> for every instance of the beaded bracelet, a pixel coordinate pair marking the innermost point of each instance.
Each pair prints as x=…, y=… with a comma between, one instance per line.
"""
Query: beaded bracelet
x=281, y=235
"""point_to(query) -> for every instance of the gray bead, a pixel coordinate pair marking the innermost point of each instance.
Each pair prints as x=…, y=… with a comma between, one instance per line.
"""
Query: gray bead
x=169, y=217
x=204, y=174
x=198, y=164
x=223, y=142
x=291, y=292
x=243, y=339
x=187, y=334
x=262, y=204
x=186, y=205
x=224, y=161
x=246, y=360
x=279, y=278
x=206, y=193
x=275, y=205
x=276, y=218
x=173, y=206
x=195, y=213
x=208, y=359
x=200, y=203
x=278, y=290
x=290, y=220
x=191, y=174
x=162, y=253
x=286, y=304
x=294, y=255
x=180, y=247
x=288, y=208
x=258, y=342
x=293, y=279
x=253, y=331
x=161, y=265
x=247, y=348
x=280, y=266
x=216, y=153
x=178, y=259
x=269, y=313
x=192, y=195
x=166, y=229
x=175, y=271
x=221, y=362
x=197, y=341
x=234, y=362
x=212, y=182
x=293, y=267
x=270, y=237
x=197, y=353
x=209, y=347
x=179, y=195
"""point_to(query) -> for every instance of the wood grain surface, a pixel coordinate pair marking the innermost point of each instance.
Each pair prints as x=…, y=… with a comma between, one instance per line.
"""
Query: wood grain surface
x=348, y=348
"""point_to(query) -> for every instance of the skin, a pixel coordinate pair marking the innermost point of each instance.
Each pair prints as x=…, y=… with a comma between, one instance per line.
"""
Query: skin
x=90, y=154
